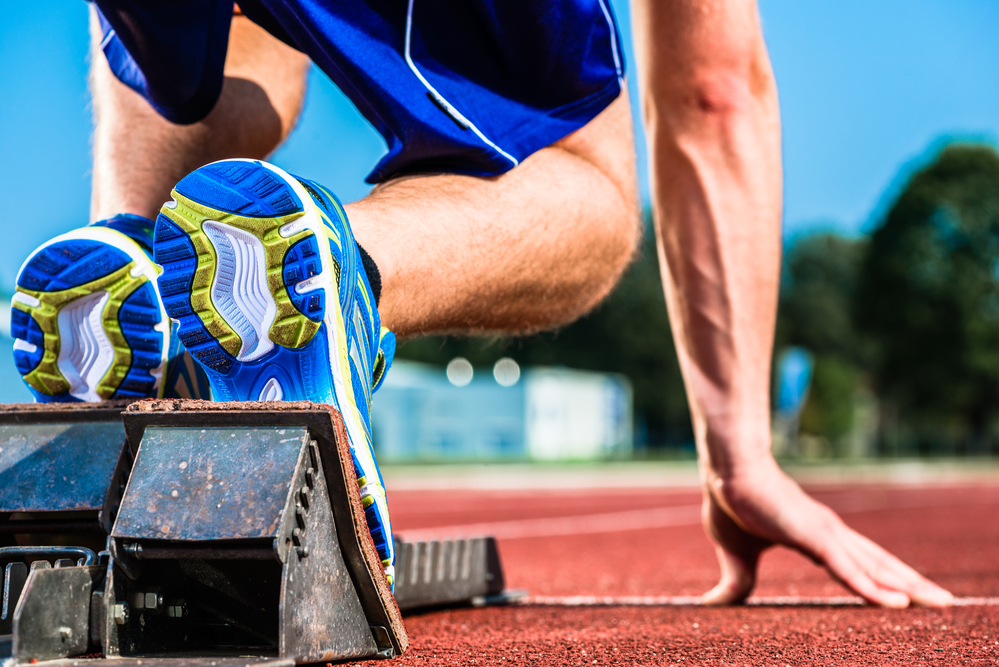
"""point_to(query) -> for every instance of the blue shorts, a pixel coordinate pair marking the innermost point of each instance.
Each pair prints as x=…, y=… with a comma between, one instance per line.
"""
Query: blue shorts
x=459, y=86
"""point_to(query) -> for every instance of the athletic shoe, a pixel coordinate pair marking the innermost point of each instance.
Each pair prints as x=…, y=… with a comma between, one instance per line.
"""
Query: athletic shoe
x=88, y=323
x=263, y=275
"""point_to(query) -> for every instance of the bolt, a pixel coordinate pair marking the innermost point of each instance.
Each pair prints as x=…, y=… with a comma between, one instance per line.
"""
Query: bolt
x=303, y=552
x=154, y=601
x=119, y=612
x=65, y=633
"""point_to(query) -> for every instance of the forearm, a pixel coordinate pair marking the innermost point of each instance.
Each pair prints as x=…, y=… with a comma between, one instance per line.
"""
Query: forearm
x=714, y=135
x=712, y=121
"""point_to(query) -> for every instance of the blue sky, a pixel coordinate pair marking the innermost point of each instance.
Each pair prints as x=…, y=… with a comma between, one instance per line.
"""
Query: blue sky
x=866, y=88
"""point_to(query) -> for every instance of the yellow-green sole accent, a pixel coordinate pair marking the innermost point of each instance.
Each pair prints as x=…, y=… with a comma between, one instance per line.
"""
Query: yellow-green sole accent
x=46, y=377
x=290, y=328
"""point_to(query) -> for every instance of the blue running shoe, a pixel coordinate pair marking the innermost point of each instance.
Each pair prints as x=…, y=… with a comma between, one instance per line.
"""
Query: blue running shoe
x=263, y=275
x=87, y=320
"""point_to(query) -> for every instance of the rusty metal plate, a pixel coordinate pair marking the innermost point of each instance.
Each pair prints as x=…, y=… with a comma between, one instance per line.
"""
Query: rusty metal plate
x=321, y=615
x=57, y=466
x=203, y=484
x=62, y=413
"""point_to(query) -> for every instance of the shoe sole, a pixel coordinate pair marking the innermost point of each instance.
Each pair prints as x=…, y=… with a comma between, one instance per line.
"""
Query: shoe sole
x=247, y=278
x=87, y=321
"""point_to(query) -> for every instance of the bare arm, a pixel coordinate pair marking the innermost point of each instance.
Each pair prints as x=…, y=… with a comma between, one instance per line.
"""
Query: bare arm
x=712, y=118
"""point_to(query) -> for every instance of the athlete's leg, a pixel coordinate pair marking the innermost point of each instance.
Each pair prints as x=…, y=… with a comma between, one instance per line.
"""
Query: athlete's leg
x=139, y=156
x=534, y=248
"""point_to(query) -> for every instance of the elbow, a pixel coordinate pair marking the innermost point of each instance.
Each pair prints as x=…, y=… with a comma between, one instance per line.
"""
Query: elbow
x=712, y=95
x=723, y=92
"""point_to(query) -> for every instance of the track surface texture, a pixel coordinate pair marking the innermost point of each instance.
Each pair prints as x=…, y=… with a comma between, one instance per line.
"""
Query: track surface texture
x=613, y=570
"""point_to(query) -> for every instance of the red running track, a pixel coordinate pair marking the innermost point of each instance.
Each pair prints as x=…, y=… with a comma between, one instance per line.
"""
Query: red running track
x=611, y=574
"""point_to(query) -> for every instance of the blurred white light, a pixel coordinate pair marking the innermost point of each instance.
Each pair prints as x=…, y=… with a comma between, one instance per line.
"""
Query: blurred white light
x=459, y=371
x=506, y=371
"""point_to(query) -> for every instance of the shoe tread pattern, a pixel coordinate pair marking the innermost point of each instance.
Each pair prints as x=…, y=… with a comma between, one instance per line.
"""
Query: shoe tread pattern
x=69, y=270
x=301, y=263
x=258, y=203
x=138, y=316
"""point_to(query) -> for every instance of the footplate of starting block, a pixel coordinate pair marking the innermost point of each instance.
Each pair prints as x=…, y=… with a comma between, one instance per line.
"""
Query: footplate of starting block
x=228, y=533
x=241, y=531
x=436, y=573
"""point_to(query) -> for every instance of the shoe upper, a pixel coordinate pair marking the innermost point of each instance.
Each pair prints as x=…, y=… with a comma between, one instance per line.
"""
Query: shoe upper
x=371, y=349
x=365, y=335
x=136, y=227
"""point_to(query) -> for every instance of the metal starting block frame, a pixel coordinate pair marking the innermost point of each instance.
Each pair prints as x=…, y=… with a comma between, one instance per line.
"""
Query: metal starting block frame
x=231, y=533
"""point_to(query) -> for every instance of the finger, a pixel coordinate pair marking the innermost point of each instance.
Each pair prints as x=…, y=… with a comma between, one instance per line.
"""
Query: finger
x=890, y=571
x=879, y=564
x=842, y=565
x=738, y=576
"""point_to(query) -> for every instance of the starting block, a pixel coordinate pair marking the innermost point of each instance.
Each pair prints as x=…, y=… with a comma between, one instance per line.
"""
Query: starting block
x=182, y=532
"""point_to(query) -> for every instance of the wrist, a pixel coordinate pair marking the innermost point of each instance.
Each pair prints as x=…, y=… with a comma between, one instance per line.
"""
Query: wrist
x=730, y=451
x=741, y=472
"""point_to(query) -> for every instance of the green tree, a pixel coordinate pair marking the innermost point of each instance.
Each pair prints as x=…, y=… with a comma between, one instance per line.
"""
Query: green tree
x=817, y=293
x=628, y=333
x=816, y=312
x=829, y=411
x=929, y=297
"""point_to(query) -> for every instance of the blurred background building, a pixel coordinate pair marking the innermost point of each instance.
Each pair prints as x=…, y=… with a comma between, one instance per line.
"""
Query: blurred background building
x=429, y=413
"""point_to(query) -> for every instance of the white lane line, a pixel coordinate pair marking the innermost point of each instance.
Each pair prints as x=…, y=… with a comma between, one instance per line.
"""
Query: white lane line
x=695, y=601
x=613, y=522
x=976, y=602
x=609, y=522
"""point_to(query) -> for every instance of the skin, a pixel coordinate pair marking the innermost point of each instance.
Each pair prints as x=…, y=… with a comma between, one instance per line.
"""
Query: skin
x=713, y=127
x=455, y=253
x=139, y=155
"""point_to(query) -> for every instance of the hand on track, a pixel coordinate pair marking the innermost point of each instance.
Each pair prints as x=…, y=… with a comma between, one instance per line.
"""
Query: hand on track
x=745, y=516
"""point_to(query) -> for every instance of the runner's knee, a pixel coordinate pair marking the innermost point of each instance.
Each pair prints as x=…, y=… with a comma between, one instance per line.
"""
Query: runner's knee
x=607, y=142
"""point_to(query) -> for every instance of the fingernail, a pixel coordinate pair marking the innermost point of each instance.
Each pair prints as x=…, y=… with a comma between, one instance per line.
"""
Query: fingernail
x=941, y=598
x=896, y=600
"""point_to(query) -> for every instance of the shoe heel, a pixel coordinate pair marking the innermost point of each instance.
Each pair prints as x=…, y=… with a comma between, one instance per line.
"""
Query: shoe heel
x=240, y=269
x=87, y=320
